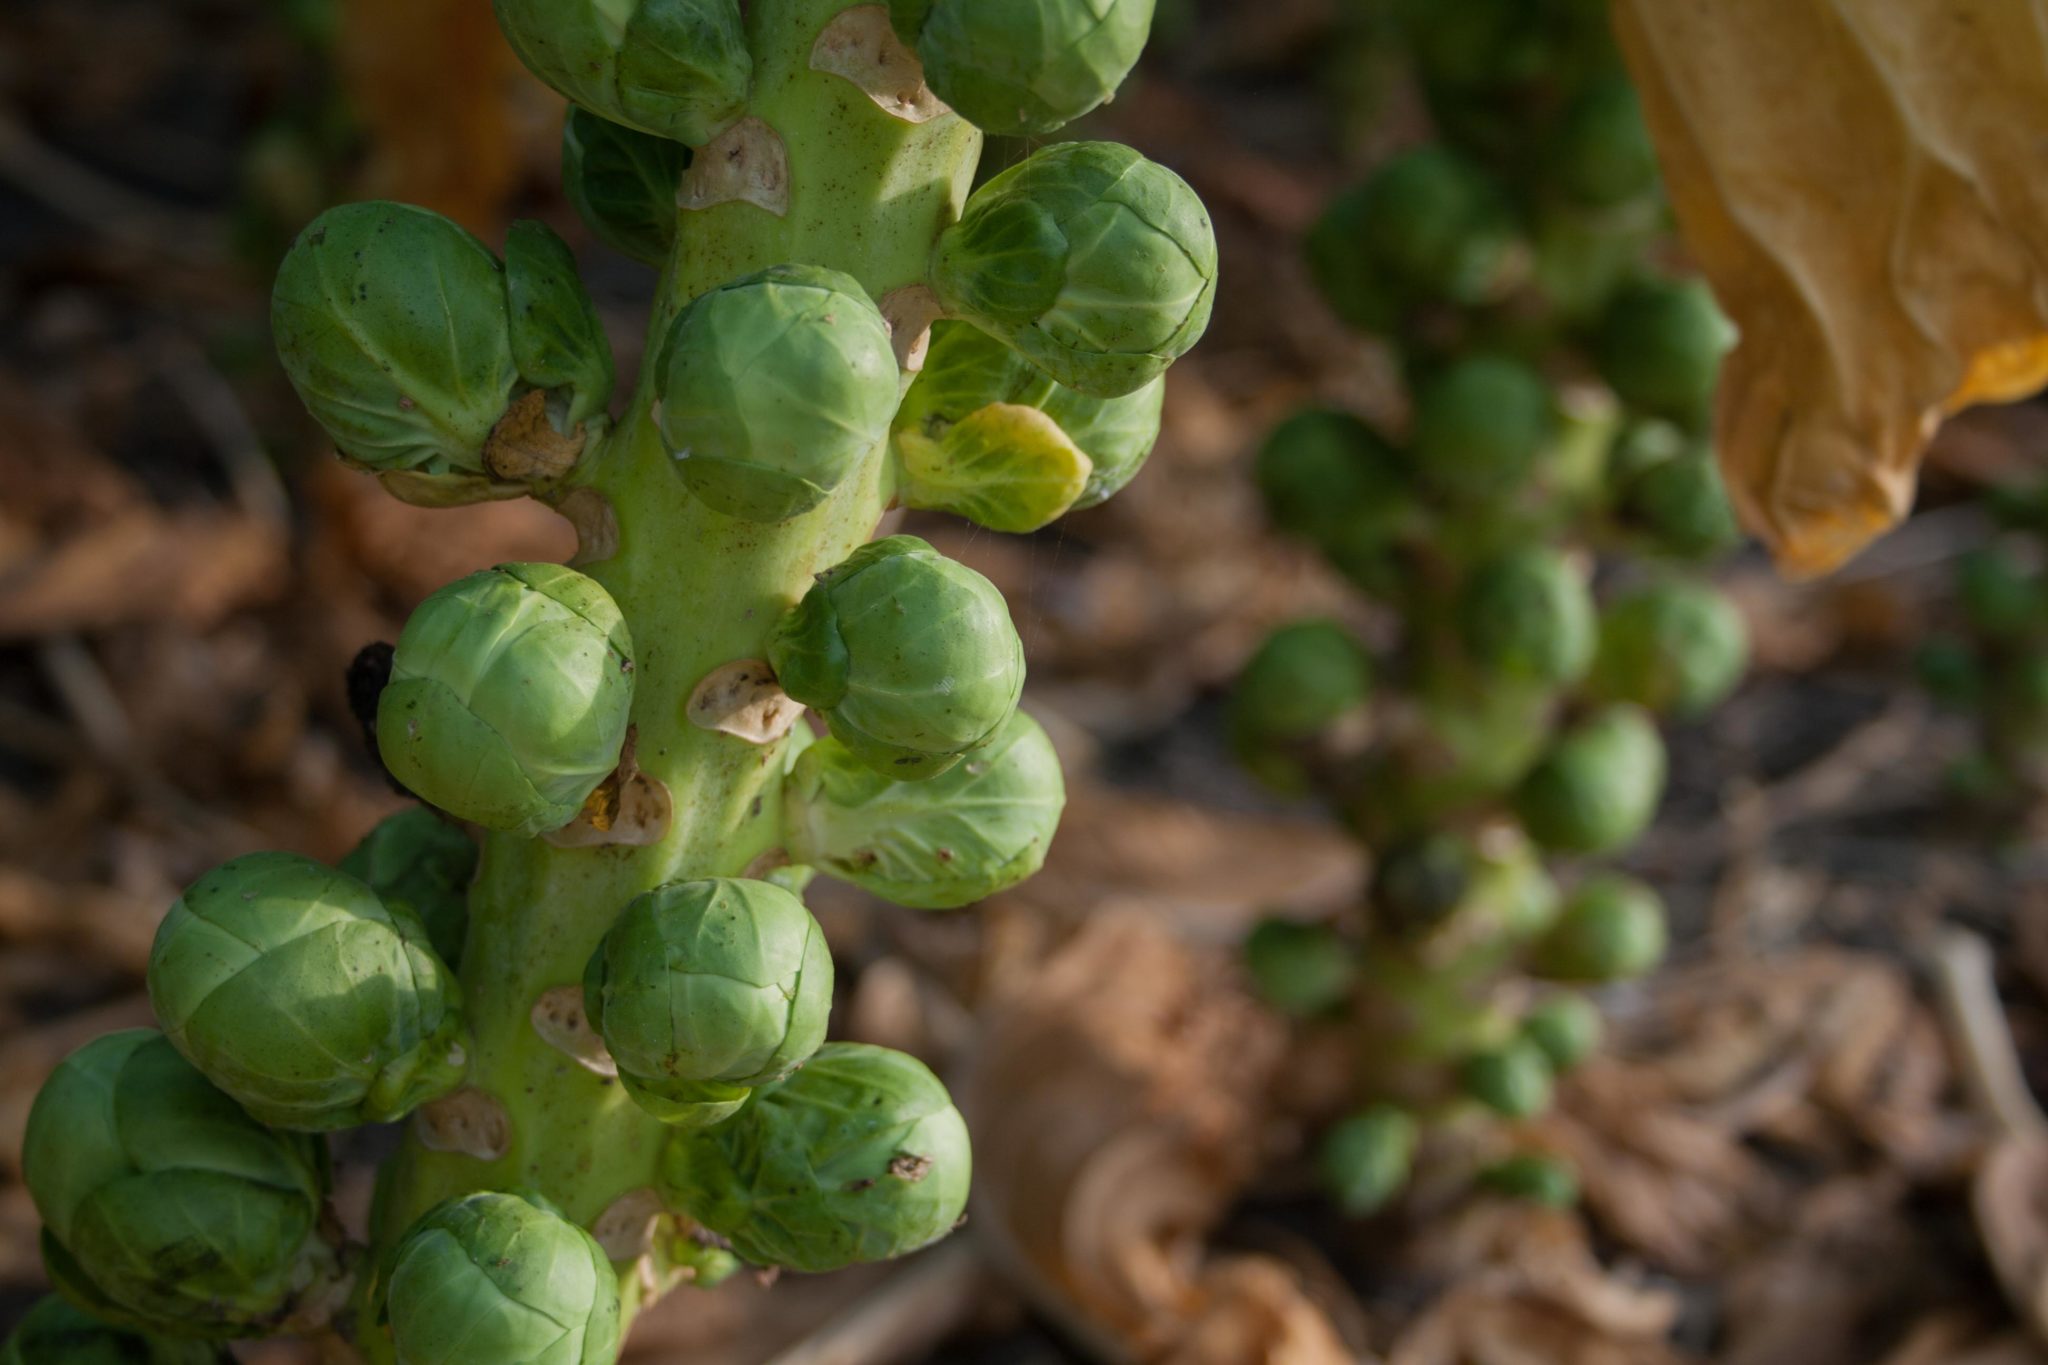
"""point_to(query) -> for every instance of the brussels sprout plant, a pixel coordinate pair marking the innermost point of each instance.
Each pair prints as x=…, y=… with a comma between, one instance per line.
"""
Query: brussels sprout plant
x=581, y=972
x=1536, y=533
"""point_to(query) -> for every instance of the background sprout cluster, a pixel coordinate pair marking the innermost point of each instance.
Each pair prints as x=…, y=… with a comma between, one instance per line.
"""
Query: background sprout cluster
x=1536, y=529
x=581, y=971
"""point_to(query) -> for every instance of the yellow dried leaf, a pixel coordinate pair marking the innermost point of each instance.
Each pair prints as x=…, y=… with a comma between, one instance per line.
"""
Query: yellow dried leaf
x=1859, y=180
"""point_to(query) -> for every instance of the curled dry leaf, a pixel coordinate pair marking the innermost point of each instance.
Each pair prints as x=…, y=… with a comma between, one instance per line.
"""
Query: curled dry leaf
x=1860, y=183
x=1116, y=1095
x=743, y=699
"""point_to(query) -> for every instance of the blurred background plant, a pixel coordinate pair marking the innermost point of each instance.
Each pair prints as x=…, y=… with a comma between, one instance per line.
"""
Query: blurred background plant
x=1775, y=1147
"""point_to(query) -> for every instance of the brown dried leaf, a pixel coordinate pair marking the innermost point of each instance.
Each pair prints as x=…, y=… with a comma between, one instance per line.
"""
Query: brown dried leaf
x=1859, y=181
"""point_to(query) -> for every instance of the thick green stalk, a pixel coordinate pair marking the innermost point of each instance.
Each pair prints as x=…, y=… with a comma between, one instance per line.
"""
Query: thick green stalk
x=868, y=194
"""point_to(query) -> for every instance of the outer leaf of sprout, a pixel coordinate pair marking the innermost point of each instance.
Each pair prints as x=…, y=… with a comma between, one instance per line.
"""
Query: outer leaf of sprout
x=557, y=341
x=623, y=183
x=859, y=1156
x=703, y=989
x=1097, y=265
x=509, y=697
x=391, y=322
x=774, y=388
x=980, y=827
x=675, y=68
x=303, y=996
x=910, y=657
x=1005, y=467
x=420, y=861
x=163, y=1203
x=499, y=1277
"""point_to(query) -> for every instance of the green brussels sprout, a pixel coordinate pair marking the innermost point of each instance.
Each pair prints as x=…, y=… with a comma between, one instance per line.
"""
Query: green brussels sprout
x=509, y=697
x=1566, y=1027
x=979, y=828
x=1306, y=677
x=1680, y=507
x=558, y=344
x=774, y=388
x=1611, y=929
x=1598, y=786
x=859, y=1156
x=1480, y=425
x=1432, y=224
x=164, y=1205
x=420, y=861
x=391, y=322
x=951, y=425
x=2001, y=597
x=55, y=1333
x=704, y=989
x=1579, y=256
x=1950, y=672
x=1332, y=480
x=1529, y=614
x=1544, y=1180
x=623, y=184
x=676, y=68
x=1601, y=154
x=500, y=1277
x=1514, y=1079
x=1677, y=647
x=1097, y=265
x=1468, y=903
x=1659, y=346
x=1418, y=884
x=312, y=1003
x=909, y=656
x=1366, y=1158
x=1299, y=969
x=1028, y=67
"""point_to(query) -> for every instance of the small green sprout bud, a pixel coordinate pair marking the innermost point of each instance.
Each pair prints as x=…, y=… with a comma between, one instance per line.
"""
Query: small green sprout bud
x=1431, y=224
x=1539, y=1179
x=55, y=1333
x=1612, y=929
x=509, y=697
x=1299, y=969
x=2001, y=598
x=558, y=344
x=420, y=861
x=623, y=184
x=391, y=322
x=1529, y=615
x=1419, y=884
x=717, y=983
x=1566, y=1027
x=1024, y=67
x=1950, y=672
x=963, y=407
x=1514, y=1079
x=1366, y=1158
x=1602, y=154
x=859, y=1156
x=1677, y=647
x=1305, y=678
x=675, y=68
x=1659, y=346
x=1096, y=264
x=499, y=1277
x=1480, y=425
x=304, y=997
x=909, y=656
x=164, y=1204
x=1599, y=785
x=1473, y=901
x=774, y=388
x=1680, y=507
x=1335, y=482
x=978, y=828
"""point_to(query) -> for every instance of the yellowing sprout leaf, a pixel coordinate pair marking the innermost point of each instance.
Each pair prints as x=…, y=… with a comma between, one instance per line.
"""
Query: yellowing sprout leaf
x=1859, y=180
x=1005, y=466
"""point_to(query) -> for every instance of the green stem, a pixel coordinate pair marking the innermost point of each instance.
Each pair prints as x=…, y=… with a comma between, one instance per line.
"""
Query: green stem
x=868, y=194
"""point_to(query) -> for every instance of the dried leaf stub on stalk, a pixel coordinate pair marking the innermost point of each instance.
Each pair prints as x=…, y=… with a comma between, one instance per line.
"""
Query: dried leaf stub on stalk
x=1859, y=182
